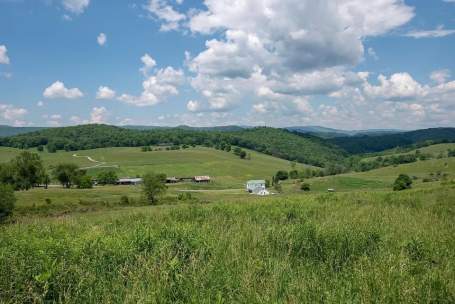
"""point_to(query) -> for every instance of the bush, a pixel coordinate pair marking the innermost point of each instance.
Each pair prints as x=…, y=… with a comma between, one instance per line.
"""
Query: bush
x=48, y=201
x=107, y=178
x=124, y=200
x=282, y=175
x=305, y=187
x=51, y=148
x=403, y=182
x=85, y=182
x=7, y=201
x=294, y=174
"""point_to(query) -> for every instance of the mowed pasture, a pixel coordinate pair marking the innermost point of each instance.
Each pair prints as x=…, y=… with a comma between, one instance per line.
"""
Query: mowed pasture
x=362, y=247
x=433, y=150
x=227, y=169
x=383, y=178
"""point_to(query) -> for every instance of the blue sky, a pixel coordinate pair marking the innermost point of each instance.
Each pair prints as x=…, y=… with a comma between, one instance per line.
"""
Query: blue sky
x=344, y=64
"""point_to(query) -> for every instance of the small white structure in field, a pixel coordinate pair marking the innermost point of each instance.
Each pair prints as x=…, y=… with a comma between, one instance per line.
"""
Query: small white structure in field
x=257, y=187
x=202, y=179
x=331, y=190
x=130, y=181
x=263, y=192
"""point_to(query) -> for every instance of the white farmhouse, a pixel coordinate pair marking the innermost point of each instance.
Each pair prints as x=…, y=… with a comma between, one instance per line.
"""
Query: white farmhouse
x=255, y=186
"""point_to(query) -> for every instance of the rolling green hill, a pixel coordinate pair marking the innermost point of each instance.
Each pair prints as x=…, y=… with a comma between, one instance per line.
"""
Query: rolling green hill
x=290, y=145
x=433, y=150
x=227, y=169
x=276, y=142
x=383, y=178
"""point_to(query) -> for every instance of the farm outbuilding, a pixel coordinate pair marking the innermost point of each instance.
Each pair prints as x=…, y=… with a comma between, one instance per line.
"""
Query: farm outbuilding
x=201, y=179
x=129, y=181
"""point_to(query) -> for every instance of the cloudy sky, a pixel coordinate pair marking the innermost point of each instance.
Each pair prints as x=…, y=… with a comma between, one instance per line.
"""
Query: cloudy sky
x=350, y=64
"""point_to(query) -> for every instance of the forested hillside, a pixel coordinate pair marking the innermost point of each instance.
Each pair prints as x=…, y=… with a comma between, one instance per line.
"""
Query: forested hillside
x=371, y=143
x=277, y=142
x=289, y=145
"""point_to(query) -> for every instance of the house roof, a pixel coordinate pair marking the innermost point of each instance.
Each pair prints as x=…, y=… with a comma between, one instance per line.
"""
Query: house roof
x=201, y=178
x=259, y=181
x=132, y=180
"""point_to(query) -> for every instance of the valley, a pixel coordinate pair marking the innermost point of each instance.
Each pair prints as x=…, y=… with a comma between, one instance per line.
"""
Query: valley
x=203, y=242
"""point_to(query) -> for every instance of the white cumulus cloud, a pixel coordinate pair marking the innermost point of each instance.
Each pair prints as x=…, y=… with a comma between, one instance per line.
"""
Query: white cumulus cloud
x=58, y=90
x=399, y=86
x=105, y=92
x=101, y=39
x=4, y=59
x=440, y=76
x=170, y=18
x=193, y=106
x=436, y=33
x=99, y=115
x=76, y=6
x=149, y=63
x=156, y=88
x=285, y=48
x=12, y=114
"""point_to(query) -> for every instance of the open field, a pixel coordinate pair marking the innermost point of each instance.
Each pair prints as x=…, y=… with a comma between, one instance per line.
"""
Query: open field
x=332, y=248
x=227, y=169
x=234, y=172
x=363, y=244
x=434, y=150
x=382, y=178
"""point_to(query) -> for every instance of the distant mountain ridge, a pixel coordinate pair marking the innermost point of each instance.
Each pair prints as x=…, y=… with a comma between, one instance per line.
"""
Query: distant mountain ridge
x=324, y=132
x=185, y=127
x=11, y=131
x=376, y=143
x=319, y=131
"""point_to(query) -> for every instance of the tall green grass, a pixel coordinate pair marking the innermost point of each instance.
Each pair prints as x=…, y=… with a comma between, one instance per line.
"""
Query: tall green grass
x=357, y=247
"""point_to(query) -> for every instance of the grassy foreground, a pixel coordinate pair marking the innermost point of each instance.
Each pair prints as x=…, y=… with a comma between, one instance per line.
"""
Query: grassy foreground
x=334, y=248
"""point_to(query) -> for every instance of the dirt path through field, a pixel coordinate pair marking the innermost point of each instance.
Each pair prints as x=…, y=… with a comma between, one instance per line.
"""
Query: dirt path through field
x=98, y=163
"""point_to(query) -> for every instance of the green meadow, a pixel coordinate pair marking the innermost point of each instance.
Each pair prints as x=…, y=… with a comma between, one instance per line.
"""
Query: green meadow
x=360, y=247
x=362, y=244
x=227, y=169
x=433, y=150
